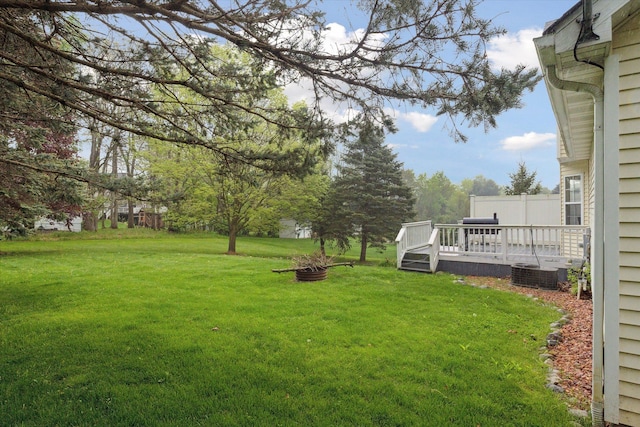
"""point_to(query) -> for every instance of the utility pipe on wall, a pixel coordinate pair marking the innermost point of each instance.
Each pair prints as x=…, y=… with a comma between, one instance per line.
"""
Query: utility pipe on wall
x=586, y=30
x=597, y=241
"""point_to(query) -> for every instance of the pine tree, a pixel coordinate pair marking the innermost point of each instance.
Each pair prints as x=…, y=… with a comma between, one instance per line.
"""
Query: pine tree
x=370, y=187
x=523, y=181
x=37, y=140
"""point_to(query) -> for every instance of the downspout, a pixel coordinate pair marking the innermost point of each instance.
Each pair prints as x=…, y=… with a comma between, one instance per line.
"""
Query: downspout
x=597, y=241
x=586, y=29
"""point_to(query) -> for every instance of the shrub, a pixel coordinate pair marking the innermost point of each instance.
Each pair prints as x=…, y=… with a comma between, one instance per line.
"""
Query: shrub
x=576, y=275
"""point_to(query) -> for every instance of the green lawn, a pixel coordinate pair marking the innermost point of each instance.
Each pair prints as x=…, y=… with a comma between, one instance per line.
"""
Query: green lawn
x=162, y=330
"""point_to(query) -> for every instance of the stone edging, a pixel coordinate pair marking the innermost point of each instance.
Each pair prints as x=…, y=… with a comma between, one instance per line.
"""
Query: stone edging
x=553, y=375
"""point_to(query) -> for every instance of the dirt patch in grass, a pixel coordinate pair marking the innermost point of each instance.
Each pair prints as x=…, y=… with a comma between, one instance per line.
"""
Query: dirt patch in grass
x=572, y=357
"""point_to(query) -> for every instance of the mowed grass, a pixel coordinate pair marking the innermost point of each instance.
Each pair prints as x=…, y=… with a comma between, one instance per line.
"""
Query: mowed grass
x=169, y=331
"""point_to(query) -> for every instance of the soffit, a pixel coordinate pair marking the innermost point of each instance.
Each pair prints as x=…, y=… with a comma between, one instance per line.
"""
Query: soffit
x=557, y=47
x=578, y=106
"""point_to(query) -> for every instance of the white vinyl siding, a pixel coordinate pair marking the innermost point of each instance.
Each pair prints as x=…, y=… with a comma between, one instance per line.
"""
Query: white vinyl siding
x=626, y=44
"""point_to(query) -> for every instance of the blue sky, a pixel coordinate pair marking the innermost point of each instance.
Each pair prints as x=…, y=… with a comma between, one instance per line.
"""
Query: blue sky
x=528, y=134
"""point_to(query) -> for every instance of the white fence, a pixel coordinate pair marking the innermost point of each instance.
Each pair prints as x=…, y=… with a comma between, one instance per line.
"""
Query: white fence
x=540, y=209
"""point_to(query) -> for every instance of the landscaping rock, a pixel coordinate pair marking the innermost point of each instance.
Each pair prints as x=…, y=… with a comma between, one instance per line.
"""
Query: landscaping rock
x=555, y=388
x=581, y=413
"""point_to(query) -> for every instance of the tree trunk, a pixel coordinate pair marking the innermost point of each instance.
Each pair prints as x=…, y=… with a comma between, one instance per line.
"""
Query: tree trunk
x=130, y=222
x=322, y=251
x=232, y=240
x=91, y=217
x=363, y=247
x=114, y=173
x=114, y=211
x=90, y=221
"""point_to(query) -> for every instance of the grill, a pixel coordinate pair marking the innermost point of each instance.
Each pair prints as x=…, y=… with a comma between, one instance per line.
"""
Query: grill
x=481, y=221
x=480, y=231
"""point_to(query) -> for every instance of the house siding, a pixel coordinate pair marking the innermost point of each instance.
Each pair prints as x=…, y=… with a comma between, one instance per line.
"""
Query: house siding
x=626, y=44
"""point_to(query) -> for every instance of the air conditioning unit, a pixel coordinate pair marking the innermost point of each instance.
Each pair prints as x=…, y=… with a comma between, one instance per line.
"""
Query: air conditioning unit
x=532, y=276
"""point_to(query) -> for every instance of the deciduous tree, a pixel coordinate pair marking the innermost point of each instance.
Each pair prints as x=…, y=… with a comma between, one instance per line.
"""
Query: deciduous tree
x=439, y=200
x=480, y=186
x=228, y=192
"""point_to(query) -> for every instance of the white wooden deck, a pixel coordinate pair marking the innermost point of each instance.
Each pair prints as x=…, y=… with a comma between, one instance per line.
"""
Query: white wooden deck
x=545, y=246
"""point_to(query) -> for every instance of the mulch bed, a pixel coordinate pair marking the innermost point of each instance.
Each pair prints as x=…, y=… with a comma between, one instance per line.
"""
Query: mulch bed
x=572, y=356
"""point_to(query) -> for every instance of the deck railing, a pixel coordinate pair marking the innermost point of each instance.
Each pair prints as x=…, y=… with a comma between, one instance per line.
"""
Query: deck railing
x=503, y=243
x=511, y=243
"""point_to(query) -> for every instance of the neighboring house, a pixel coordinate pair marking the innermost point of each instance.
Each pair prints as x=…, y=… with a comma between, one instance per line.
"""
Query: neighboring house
x=46, y=224
x=590, y=58
x=290, y=229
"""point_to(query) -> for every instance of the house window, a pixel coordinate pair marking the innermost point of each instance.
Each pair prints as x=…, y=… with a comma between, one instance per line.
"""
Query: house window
x=573, y=200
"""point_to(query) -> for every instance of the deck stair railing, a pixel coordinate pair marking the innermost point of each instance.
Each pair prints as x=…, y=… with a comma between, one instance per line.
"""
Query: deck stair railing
x=412, y=237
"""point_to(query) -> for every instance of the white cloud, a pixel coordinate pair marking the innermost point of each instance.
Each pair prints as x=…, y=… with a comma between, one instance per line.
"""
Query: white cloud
x=394, y=146
x=511, y=49
x=528, y=141
x=335, y=39
x=420, y=122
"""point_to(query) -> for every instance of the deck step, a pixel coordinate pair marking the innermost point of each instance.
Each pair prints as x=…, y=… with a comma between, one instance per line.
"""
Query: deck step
x=421, y=270
x=415, y=265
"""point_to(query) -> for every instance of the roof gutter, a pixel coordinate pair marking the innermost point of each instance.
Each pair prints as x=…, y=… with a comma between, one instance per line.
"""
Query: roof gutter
x=597, y=240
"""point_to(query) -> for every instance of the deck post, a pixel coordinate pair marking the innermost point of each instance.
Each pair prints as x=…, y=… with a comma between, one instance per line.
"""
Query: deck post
x=504, y=242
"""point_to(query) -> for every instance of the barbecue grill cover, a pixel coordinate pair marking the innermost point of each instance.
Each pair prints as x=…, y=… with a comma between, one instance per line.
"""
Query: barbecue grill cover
x=480, y=221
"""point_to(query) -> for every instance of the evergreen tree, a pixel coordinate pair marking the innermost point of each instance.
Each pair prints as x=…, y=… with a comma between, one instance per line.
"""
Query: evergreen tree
x=37, y=141
x=331, y=223
x=370, y=187
x=523, y=181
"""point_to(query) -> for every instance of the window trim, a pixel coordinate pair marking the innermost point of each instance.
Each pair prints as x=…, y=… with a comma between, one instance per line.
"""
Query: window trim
x=581, y=197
